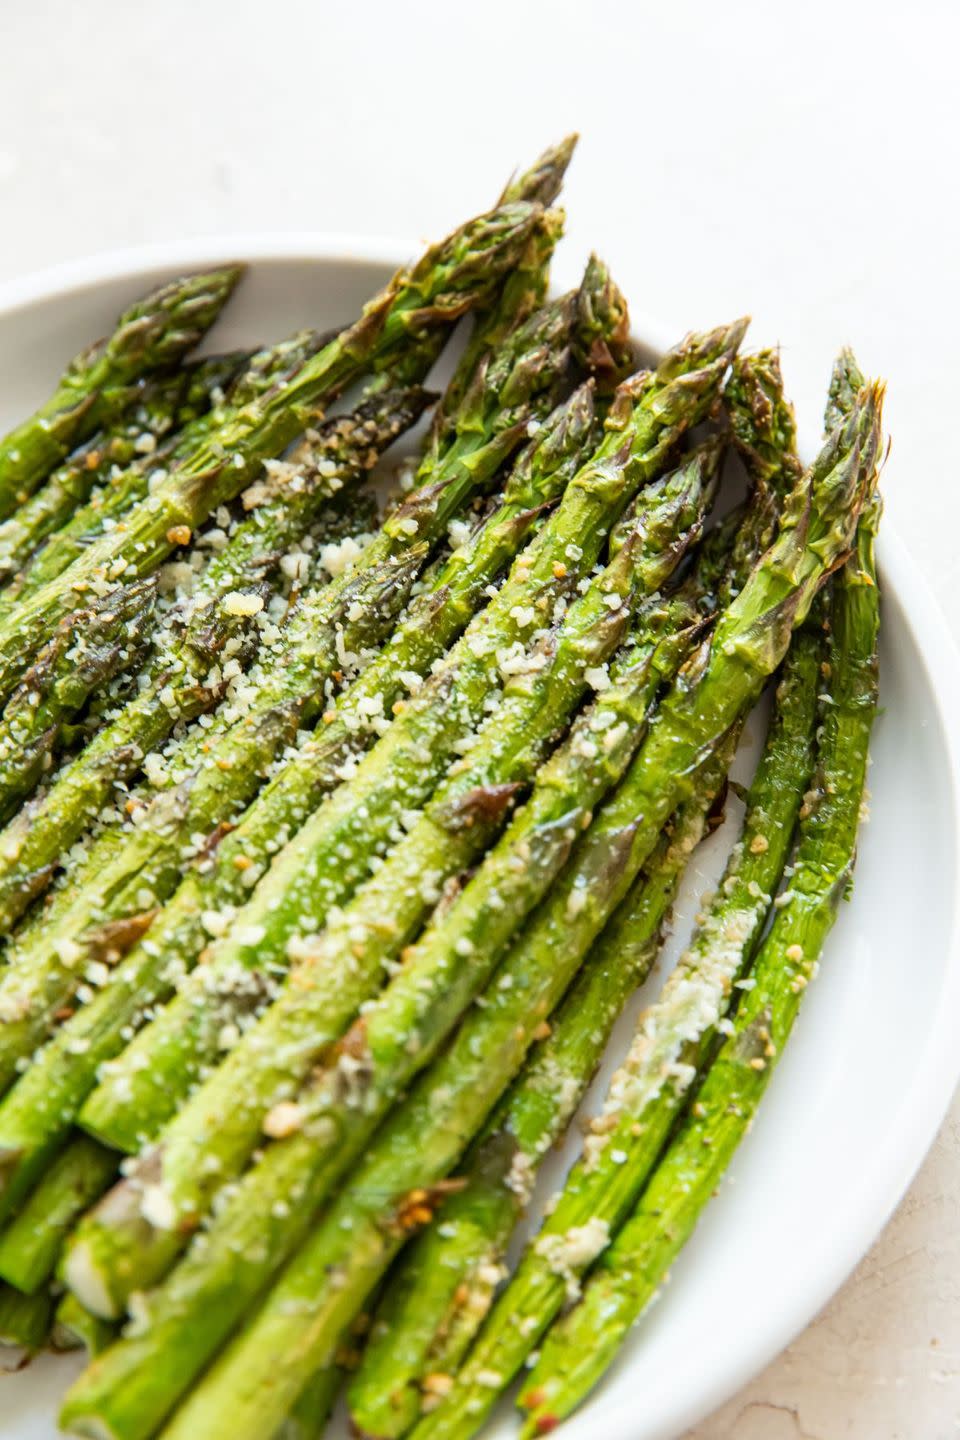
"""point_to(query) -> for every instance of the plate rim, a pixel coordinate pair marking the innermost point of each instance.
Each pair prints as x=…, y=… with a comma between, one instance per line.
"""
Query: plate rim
x=855, y=1227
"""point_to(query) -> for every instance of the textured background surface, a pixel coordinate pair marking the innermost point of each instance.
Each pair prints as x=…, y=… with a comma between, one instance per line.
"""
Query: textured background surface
x=799, y=162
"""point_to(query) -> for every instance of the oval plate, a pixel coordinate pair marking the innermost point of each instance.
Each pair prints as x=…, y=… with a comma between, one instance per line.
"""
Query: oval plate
x=864, y=1085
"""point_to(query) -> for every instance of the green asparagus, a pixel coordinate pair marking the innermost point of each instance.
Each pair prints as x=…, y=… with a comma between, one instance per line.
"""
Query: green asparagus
x=329, y=856
x=134, y=1384
x=764, y=431
x=672, y=1039
x=214, y=1134
x=30, y=1245
x=181, y=684
x=144, y=867
x=159, y=410
x=76, y=1329
x=438, y=1298
x=153, y=334
x=106, y=509
x=441, y=287
x=579, y=1350
x=47, y=1097
x=381, y=1200
x=25, y=1319
x=88, y=648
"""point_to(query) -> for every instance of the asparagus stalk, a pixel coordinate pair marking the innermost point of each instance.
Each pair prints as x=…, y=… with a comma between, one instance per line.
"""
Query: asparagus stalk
x=441, y=287
x=180, y=686
x=108, y=506
x=520, y=376
x=443, y=1289
x=508, y=394
x=30, y=1245
x=330, y=854
x=25, y=1319
x=88, y=648
x=673, y=1037
x=310, y=1413
x=524, y=287
x=153, y=334
x=132, y=1386
x=160, y=408
x=44, y=1102
x=580, y=1348
x=215, y=1133
x=147, y=860
x=523, y=290
x=764, y=431
x=846, y=382
x=383, y=1209
x=46, y=1098
x=439, y=1297
x=542, y=181
x=76, y=1329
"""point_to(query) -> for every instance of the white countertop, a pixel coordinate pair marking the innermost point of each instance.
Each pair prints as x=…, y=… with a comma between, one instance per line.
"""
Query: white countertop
x=798, y=162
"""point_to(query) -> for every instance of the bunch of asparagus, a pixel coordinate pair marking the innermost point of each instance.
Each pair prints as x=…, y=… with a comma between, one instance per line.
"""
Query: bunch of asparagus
x=335, y=842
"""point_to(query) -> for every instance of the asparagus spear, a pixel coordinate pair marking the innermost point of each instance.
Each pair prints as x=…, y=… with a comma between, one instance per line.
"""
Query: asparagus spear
x=441, y=287
x=146, y=864
x=764, y=431
x=30, y=1245
x=437, y=1300
x=153, y=334
x=329, y=856
x=672, y=1039
x=107, y=508
x=45, y=1100
x=440, y=1295
x=579, y=1349
x=542, y=181
x=76, y=1329
x=522, y=291
x=459, y=586
x=132, y=1386
x=159, y=409
x=88, y=648
x=179, y=685
x=508, y=393
x=309, y=1415
x=215, y=1133
x=846, y=382
x=25, y=1319
x=449, y=1103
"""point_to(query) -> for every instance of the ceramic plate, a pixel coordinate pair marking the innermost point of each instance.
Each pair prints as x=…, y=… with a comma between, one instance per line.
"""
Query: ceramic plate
x=861, y=1090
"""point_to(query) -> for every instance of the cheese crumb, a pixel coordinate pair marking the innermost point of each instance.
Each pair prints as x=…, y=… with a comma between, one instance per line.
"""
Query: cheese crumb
x=236, y=603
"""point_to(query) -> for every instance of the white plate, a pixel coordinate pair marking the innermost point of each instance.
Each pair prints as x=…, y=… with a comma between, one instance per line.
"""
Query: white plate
x=860, y=1093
